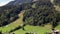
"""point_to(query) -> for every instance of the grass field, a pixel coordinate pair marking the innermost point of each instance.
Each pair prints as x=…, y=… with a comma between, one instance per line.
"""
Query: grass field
x=37, y=29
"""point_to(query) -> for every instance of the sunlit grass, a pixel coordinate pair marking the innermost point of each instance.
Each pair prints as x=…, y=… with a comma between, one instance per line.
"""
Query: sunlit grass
x=32, y=29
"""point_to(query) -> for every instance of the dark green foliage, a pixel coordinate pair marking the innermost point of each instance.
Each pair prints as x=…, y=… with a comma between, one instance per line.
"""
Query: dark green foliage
x=9, y=14
x=43, y=13
x=26, y=6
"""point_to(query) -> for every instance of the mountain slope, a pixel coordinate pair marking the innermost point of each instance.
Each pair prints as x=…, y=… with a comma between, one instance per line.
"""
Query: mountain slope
x=43, y=13
x=18, y=2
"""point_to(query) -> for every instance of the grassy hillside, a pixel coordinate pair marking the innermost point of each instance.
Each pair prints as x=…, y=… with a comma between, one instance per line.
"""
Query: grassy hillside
x=29, y=28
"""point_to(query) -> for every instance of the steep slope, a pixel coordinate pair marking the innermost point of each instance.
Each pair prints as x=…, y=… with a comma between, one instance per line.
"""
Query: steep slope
x=18, y=2
x=42, y=14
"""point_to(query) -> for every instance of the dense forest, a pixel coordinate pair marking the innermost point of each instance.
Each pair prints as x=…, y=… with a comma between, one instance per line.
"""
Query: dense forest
x=43, y=13
x=36, y=13
x=8, y=14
